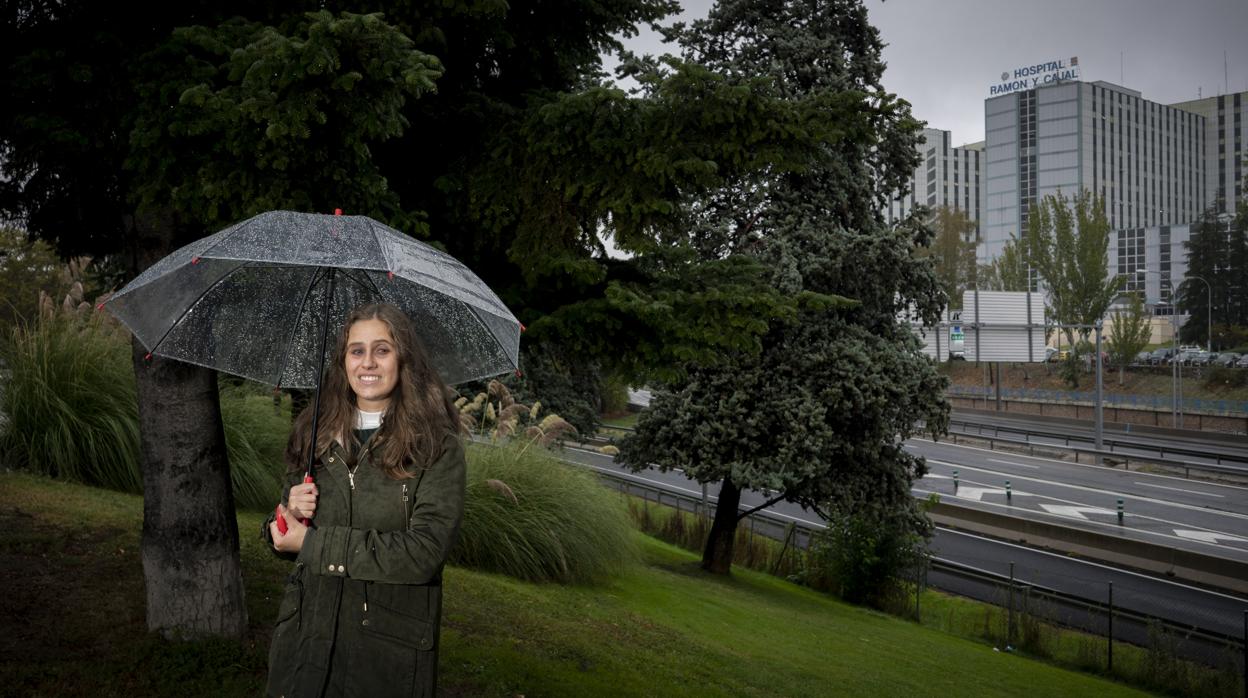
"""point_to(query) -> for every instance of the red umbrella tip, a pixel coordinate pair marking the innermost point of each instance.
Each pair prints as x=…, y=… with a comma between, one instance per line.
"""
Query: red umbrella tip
x=390, y=275
x=148, y=357
x=523, y=328
x=100, y=306
x=519, y=374
x=337, y=212
x=194, y=260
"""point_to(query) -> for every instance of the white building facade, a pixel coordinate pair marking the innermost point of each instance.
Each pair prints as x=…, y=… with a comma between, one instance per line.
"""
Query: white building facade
x=946, y=176
x=1146, y=159
x=1226, y=130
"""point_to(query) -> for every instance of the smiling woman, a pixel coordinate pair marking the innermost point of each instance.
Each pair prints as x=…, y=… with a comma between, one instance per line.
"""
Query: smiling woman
x=363, y=604
x=372, y=367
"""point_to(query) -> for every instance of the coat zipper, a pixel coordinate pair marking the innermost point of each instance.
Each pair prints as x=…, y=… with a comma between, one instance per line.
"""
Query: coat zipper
x=405, y=514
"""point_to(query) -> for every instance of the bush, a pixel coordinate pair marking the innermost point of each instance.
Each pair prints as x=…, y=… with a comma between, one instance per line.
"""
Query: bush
x=70, y=401
x=867, y=552
x=531, y=517
x=72, y=412
x=256, y=430
x=1221, y=377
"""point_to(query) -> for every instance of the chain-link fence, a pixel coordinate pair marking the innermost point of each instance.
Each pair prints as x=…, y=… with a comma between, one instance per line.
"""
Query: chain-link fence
x=1159, y=403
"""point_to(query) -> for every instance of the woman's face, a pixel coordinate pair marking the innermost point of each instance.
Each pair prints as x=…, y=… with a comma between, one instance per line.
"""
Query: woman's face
x=372, y=364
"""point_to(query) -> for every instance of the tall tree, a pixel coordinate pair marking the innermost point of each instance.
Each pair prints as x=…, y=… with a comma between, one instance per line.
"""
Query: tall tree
x=820, y=413
x=953, y=252
x=1068, y=245
x=194, y=117
x=1010, y=271
x=1129, y=333
x=1217, y=250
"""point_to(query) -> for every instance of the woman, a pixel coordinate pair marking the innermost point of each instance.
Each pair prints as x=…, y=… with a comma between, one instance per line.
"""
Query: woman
x=361, y=610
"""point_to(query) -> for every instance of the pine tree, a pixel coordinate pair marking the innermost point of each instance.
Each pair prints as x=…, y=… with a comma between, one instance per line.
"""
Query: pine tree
x=819, y=415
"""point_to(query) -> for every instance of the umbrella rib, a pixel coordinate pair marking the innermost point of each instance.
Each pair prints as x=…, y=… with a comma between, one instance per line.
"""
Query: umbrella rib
x=294, y=326
x=390, y=263
x=191, y=306
x=361, y=284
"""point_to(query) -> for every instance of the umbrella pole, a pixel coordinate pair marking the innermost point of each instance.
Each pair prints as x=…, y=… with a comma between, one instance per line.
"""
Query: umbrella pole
x=320, y=371
x=316, y=401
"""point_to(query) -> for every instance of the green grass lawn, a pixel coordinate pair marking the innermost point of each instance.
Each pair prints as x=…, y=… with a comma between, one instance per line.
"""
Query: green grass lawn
x=73, y=605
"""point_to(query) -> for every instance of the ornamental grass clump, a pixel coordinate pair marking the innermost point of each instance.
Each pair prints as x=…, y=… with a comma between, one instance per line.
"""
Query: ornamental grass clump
x=70, y=408
x=69, y=399
x=256, y=430
x=529, y=516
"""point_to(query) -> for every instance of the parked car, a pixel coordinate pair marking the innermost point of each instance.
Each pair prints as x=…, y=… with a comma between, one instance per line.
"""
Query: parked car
x=1242, y=362
x=1199, y=358
x=1226, y=359
x=1160, y=357
x=1141, y=359
x=1186, y=356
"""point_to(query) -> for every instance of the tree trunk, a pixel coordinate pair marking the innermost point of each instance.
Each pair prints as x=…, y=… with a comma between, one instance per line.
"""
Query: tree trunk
x=191, y=566
x=717, y=557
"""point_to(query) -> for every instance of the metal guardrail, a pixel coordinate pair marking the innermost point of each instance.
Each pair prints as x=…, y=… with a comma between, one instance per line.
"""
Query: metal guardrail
x=1110, y=442
x=776, y=526
x=1205, y=406
x=1125, y=458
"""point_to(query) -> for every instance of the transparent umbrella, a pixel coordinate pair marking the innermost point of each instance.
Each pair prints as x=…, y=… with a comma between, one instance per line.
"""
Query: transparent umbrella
x=251, y=300
x=260, y=299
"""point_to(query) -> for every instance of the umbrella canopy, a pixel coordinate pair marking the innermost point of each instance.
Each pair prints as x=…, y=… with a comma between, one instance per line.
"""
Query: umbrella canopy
x=250, y=300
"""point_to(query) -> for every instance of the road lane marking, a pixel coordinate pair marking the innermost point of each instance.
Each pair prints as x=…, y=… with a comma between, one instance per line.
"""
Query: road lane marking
x=1112, y=526
x=1074, y=512
x=1006, y=462
x=1208, y=536
x=1179, y=489
x=975, y=494
x=1111, y=493
x=1052, y=461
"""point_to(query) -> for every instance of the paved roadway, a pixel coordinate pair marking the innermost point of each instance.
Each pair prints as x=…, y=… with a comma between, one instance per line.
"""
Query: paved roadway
x=1143, y=593
x=1206, y=517
x=1194, y=446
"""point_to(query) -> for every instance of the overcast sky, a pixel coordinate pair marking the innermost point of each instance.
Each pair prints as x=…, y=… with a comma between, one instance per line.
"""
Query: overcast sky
x=942, y=55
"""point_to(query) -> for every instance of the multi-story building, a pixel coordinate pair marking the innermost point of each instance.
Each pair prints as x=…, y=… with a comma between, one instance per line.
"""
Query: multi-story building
x=1160, y=249
x=1226, y=129
x=946, y=176
x=1145, y=159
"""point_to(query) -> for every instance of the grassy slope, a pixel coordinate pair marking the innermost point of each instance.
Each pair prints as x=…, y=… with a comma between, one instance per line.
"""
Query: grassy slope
x=72, y=601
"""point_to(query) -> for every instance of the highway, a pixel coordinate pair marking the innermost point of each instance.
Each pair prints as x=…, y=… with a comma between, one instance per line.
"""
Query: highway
x=1205, y=517
x=1174, y=600
x=1192, y=446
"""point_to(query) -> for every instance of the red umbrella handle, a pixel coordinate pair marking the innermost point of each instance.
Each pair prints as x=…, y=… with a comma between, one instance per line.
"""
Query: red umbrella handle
x=281, y=520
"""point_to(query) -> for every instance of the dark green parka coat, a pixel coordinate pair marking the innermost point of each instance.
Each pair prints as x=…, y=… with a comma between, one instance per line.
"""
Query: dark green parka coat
x=361, y=610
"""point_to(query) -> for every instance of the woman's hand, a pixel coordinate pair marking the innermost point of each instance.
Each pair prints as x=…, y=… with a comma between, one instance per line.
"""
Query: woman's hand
x=302, y=500
x=292, y=540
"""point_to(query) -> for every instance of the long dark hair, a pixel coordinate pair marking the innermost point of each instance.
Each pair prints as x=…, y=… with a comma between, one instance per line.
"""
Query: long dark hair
x=419, y=415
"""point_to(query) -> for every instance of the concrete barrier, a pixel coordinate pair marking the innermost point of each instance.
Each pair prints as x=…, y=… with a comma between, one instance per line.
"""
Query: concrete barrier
x=1210, y=570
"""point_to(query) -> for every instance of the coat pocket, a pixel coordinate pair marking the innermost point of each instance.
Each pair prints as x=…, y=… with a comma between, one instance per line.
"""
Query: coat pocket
x=400, y=650
x=394, y=626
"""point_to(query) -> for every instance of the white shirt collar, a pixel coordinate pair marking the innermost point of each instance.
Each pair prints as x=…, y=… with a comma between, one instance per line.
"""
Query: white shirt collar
x=368, y=420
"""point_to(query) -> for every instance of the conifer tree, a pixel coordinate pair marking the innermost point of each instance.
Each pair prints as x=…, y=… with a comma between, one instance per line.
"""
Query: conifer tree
x=818, y=417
